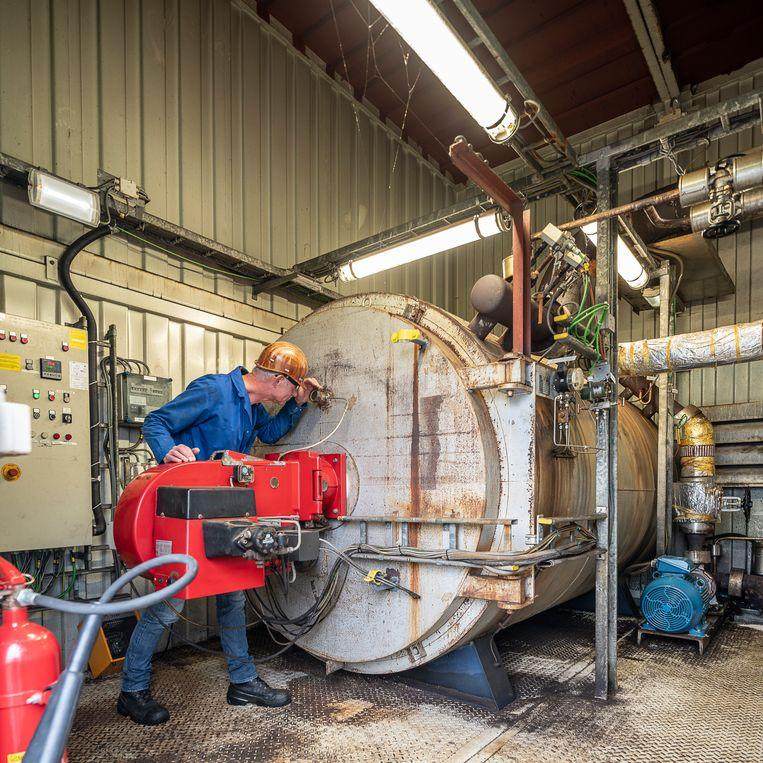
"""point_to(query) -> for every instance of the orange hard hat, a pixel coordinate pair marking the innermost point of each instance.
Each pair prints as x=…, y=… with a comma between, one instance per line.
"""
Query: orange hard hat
x=284, y=358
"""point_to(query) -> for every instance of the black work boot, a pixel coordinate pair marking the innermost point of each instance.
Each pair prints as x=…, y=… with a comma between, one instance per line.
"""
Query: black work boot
x=141, y=707
x=257, y=692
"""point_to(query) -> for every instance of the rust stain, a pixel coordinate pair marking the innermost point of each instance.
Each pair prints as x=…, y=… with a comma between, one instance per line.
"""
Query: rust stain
x=430, y=412
x=345, y=709
x=414, y=612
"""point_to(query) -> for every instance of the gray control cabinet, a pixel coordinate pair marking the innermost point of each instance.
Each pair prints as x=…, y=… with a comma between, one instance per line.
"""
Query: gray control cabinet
x=45, y=496
x=140, y=394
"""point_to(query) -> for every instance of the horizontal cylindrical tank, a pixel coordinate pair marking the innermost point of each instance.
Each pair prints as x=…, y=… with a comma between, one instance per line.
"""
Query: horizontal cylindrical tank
x=419, y=443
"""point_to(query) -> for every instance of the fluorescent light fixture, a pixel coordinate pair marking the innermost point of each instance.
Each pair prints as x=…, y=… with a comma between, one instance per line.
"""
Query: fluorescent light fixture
x=424, y=28
x=62, y=198
x=466, y=232
x=628, y=266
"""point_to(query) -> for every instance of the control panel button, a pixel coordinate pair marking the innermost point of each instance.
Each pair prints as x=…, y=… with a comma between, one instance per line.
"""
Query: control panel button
x=68, y=437
x=56, y=436
x=12, y=336
x=66, y=418
x=2, y=334
x=43, y=435
x=51, y=394
x=11, y=472
x=35, y=413
x=52, y=415
x=65, y=346
x=66, y=397
x=36, y=394
x=29, y=364
x=24, y=339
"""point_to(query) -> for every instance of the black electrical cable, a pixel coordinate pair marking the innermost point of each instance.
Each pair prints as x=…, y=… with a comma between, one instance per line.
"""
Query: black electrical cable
x=64, y=277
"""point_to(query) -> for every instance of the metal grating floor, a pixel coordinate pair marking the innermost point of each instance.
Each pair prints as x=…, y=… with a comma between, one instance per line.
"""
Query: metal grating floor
x=672, y=706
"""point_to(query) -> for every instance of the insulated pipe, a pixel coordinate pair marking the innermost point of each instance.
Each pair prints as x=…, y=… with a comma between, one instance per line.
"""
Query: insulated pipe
x=739, y=343
x=697, y=443
x=65, y=279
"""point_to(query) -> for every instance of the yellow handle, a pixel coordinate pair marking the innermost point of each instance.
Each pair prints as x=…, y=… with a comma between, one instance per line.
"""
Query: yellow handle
x=406, y=335
x=371, y=577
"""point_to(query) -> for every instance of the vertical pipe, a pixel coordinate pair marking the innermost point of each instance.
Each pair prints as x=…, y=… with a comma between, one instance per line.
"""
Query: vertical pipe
x=65, y=279
x=111, y=336
x=606, y=443
x=520, y=231
x=664, y=505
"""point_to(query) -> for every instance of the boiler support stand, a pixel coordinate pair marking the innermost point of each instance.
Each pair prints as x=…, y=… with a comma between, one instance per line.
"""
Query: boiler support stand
x=473, y=673
x=606, y=444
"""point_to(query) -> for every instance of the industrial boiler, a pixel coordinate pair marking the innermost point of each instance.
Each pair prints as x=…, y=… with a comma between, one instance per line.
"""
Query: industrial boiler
x=455, y=461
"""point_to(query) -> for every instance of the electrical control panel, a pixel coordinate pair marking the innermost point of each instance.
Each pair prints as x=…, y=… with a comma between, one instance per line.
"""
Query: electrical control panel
x=45, y=496
x=139, y=395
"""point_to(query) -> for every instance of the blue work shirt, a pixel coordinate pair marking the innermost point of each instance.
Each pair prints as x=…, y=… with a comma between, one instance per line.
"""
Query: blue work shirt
x=214, y=413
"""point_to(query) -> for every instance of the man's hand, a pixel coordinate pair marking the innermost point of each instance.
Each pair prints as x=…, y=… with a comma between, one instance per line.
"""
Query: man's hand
x=302, y=395
x=179, y=454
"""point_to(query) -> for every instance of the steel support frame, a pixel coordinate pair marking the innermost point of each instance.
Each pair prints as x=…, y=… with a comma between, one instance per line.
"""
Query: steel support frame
x=664, y=505
x=606, y=444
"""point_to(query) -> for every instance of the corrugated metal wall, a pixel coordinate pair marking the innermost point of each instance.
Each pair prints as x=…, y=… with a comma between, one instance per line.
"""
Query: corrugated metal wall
x=235, y=134
x=232, y=132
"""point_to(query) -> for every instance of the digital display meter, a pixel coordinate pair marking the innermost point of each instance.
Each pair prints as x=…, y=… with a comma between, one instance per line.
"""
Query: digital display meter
x=50, y=369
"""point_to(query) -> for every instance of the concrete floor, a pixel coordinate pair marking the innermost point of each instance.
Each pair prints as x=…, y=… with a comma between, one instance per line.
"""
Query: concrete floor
x=672, y=706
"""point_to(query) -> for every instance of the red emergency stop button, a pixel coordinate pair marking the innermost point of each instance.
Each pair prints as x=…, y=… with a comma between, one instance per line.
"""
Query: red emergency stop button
x=11, y=472
x=67, y=437
x=56, y=436
x=24, y=339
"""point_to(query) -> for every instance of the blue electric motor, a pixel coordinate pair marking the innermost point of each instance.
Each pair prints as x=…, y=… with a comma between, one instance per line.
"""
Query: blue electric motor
x=677, y=597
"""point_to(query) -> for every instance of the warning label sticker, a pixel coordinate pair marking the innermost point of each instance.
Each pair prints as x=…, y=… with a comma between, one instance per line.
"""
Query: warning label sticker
x=77, y=375
x=10, y=362
x=78, y=339
x=163, y=547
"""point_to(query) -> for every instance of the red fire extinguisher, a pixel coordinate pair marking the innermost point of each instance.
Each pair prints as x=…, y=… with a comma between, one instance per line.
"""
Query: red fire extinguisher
x=30, y=662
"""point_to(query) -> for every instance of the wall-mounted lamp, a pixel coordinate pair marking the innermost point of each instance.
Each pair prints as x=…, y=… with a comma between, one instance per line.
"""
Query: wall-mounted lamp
x=60, y=197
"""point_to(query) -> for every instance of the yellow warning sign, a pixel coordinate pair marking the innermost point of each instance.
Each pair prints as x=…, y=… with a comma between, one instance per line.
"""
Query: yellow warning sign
x=78, y=339
x=15, y=757
x=10, y=362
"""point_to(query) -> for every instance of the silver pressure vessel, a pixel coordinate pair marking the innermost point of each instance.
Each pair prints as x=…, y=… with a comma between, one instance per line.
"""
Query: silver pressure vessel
x=420, y=444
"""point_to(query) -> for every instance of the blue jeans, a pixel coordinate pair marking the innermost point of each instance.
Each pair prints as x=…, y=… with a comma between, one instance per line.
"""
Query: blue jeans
x=231, y=614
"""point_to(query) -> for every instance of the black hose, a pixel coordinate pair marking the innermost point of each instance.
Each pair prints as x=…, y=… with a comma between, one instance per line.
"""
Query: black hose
x=65, y=279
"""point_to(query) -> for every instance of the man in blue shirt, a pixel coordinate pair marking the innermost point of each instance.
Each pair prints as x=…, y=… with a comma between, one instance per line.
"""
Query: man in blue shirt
x=216, y=412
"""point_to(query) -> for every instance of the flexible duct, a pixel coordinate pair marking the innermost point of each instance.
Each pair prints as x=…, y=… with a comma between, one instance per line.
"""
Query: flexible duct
x=64, y=277
x=697, y=443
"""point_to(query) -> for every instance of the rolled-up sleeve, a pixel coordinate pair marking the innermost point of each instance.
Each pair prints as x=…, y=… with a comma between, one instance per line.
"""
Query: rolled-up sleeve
x=275, y=427
x=190, y=407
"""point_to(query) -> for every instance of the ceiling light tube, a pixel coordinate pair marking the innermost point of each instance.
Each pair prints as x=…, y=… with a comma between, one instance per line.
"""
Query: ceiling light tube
x=427, y=31
x=628, y=266
x=60, y=197
x=466, y=232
